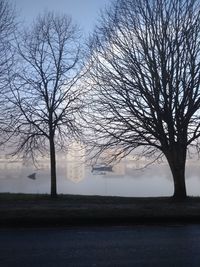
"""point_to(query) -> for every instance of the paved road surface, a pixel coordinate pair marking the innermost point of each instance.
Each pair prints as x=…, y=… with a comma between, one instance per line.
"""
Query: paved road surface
x=137, y=246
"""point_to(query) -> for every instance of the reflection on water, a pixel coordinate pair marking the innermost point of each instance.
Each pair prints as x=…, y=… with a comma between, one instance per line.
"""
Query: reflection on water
x=127, y=178
x=75, y=166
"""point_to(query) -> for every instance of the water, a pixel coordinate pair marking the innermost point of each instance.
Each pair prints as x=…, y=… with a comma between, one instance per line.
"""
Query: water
x=75, y=177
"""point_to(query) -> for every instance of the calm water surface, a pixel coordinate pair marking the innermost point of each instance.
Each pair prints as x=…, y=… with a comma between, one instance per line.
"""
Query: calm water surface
x=128, y=178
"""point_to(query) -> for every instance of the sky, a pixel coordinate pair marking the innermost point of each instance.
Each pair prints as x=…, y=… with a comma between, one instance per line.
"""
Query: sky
x=83, y=12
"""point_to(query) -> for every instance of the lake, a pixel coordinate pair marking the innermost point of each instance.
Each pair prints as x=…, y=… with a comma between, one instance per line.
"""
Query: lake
x=74, y=176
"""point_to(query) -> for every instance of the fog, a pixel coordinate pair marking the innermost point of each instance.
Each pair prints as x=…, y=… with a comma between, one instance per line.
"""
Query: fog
x=130, y=177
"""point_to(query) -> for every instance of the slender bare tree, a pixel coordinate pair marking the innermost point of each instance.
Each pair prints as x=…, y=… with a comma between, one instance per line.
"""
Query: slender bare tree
x=7, y=29
x=46, y=97
x=145, y=79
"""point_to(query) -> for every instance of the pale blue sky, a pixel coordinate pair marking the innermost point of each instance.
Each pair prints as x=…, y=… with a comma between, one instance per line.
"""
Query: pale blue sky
x=84, y=12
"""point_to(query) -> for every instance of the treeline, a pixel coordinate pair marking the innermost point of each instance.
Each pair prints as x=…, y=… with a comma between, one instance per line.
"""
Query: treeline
x=134, y=84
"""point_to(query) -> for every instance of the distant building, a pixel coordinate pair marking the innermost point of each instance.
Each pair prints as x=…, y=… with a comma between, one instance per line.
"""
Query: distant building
x=136, y=162
x=119, y=168
x=75, y=162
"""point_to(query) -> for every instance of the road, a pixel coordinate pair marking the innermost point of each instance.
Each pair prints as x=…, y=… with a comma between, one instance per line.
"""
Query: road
x=136, y=245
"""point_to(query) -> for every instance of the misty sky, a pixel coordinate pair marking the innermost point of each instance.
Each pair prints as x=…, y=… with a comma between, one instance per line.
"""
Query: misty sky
x=83, y=12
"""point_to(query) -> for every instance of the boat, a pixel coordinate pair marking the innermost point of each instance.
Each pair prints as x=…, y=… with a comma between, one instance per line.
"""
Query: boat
x=102, y=168
x=32, y=176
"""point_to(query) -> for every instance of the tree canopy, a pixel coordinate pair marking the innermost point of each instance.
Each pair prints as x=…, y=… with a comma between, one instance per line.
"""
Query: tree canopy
x=46, y=98
x=145, y=80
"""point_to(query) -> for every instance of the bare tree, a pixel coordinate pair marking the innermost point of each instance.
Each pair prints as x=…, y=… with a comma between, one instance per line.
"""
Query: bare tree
x=145, y=79
x=7, y=29
x=46, y=98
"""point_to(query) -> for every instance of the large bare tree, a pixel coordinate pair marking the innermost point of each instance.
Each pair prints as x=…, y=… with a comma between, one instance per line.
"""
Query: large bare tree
x=145, y=79
x=46, y=97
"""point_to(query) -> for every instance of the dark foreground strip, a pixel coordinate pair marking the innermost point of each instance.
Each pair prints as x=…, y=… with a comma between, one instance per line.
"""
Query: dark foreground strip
x=58, y=222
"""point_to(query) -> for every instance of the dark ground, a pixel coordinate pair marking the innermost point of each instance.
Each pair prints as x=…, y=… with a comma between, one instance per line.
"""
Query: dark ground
x=175, y=245
x=41, y=210
x=98, y=231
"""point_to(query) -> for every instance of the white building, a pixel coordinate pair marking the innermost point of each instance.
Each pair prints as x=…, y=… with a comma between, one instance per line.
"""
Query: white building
x=75, y=159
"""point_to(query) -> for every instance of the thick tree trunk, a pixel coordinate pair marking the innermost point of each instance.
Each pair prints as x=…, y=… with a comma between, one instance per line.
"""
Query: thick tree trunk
x=176, y=158
x=53, y=168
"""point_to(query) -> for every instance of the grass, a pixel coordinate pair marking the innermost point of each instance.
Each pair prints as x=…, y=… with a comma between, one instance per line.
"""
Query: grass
x=40, y=210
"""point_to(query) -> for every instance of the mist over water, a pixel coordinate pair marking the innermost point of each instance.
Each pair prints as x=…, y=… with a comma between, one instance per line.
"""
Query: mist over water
x=128, y=178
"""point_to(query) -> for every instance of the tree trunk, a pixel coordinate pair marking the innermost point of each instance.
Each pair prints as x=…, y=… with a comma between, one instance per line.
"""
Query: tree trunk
x=53, y=168
x=176, y=158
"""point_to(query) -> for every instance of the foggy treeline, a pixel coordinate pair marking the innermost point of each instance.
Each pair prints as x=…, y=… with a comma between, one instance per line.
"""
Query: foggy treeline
x=135, y=83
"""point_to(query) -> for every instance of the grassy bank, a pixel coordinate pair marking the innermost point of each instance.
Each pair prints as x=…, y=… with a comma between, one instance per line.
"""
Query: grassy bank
x=37, y=210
